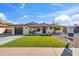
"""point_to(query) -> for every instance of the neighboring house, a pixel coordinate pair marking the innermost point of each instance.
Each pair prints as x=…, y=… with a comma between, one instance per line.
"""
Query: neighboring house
x=4, y=29
x=32, y=28
x=76, y=29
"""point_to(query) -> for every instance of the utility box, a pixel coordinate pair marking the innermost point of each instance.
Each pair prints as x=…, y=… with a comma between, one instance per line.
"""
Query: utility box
x=70, y=34
x=70, y=31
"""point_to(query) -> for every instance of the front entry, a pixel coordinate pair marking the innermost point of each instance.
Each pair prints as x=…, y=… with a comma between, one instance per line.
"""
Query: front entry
x=44, y=29
x=18, y=30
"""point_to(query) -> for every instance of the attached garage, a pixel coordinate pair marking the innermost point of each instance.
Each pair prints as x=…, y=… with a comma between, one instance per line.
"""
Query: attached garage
x=18, y=30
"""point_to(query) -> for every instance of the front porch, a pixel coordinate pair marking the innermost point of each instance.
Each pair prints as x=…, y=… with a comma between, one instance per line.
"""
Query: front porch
x=40, y=31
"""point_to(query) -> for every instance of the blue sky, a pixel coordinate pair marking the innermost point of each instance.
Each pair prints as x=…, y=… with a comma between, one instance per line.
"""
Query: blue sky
x=21, y=13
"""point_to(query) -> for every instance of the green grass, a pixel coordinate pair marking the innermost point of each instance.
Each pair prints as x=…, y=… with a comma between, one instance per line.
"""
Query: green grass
x=35, y=41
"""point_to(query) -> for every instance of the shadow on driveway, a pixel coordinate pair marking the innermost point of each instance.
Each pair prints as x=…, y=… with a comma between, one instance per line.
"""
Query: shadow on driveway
x=67, y=51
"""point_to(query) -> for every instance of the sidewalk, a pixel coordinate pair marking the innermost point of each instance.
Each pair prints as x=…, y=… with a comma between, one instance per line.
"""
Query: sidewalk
x=33, y=51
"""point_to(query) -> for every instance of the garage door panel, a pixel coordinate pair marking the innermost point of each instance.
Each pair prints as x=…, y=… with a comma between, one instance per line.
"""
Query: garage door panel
x=18, y=30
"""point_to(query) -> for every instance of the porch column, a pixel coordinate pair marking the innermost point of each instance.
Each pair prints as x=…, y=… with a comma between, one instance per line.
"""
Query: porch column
x=13, y=30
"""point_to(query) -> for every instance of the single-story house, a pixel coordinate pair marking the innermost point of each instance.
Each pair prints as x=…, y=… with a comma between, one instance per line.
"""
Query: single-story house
x=32, y=28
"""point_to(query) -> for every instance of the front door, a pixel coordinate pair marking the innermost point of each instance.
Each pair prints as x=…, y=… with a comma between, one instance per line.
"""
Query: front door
x=44, y=29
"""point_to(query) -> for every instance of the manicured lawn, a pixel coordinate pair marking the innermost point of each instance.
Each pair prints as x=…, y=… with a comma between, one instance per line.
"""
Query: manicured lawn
x=35, y=41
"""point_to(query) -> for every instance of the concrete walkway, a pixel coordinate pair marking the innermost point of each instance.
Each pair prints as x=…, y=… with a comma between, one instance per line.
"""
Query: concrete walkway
x=6, y=39
x=33, y=51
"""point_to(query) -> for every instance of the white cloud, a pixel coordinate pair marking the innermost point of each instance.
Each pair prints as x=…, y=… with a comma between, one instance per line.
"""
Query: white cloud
x=39, y=13
x=2, y=15
x=12, y=6
x=70, y=11
x=57, y=4
x=75, y=17
x=62, y=18
x=3, y=18
x=67, y=20
x=22, y=5
x=75, y=22
x=69, y=16
x=25, y=16
x=41, y=21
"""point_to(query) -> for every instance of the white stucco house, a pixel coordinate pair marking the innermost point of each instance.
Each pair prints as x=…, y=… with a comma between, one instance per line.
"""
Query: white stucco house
x=32, y=28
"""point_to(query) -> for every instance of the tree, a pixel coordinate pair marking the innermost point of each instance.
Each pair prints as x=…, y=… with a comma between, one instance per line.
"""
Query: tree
x=9, y=24
x=55, y=28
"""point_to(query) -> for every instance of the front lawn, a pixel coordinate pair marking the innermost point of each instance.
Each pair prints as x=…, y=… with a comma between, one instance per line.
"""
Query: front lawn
x=35, y=41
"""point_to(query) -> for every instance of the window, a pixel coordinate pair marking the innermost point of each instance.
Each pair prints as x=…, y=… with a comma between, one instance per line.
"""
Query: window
x=38, y=29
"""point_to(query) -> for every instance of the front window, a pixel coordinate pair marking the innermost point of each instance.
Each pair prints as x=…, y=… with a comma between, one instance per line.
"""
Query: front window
x=38, y=29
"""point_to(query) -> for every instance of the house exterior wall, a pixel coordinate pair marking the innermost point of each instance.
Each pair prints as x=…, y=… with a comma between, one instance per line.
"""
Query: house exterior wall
x=60, y=31
x=37, y=32
x=48, y=30
x=40, y=32
x=25, y=30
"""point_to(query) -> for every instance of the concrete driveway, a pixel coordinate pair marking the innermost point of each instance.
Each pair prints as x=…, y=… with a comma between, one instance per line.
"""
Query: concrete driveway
x=75, y=42
x=6, y=39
